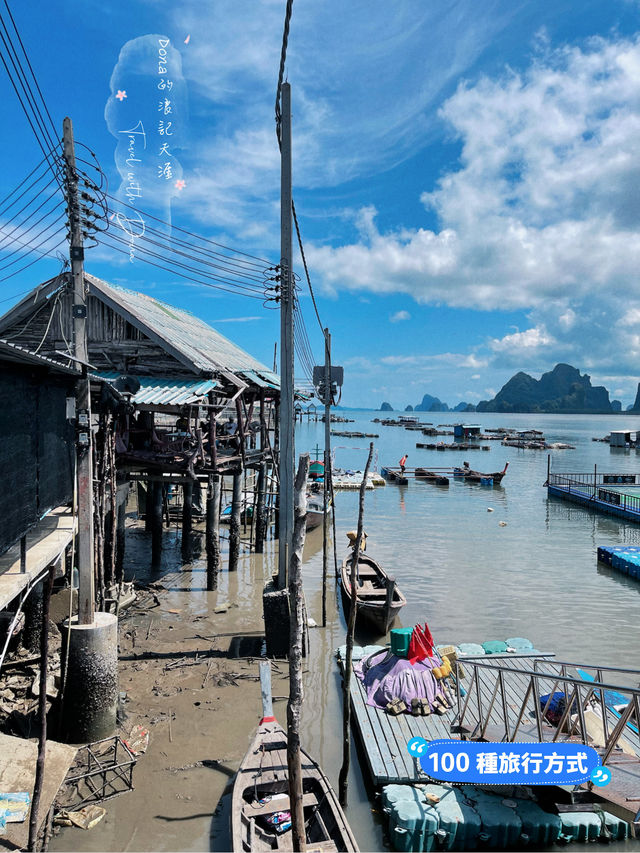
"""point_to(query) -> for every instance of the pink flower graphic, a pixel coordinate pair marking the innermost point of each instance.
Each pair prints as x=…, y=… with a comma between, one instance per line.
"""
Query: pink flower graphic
x=180, y=184
x=121, y=95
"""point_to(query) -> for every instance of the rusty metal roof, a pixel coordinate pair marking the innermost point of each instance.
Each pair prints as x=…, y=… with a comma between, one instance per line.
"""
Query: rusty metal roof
x=197, y=345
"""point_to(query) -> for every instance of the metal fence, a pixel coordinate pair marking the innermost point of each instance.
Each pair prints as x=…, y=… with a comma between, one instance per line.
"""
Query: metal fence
x=549, y=701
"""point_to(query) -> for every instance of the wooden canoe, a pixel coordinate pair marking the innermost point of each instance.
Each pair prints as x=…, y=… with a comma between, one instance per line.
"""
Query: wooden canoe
x=431, y=477
x=315, y=509
x=261, y=790
x=379, y=599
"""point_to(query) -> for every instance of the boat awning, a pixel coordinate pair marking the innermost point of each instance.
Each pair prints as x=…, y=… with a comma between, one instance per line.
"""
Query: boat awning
x=168, y=392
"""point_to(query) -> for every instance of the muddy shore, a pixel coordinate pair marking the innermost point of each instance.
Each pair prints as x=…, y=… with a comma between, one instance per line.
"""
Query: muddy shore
x=190, y=675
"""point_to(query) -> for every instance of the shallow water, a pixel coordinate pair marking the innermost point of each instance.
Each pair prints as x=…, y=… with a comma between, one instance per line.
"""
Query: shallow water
x=470, y=578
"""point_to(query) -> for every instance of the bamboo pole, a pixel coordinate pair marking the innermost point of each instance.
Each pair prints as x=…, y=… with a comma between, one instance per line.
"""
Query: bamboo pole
x=294, y=706
x=42, y=712
x=346, y=699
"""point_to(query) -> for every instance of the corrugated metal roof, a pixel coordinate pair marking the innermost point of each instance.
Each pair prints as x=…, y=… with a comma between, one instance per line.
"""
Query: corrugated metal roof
x=13, y=352
x=199, y=344
x=168, y=393
x=263, y=379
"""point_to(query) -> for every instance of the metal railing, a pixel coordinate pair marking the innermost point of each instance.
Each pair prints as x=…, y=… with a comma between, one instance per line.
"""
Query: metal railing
x=508, y=695
x=594, y=486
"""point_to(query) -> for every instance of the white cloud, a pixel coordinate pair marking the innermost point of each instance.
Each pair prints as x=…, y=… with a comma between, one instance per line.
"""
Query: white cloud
x=399, y=316
x=544, y=203
x=237, y=319
x=522, y=342
x=367, y=112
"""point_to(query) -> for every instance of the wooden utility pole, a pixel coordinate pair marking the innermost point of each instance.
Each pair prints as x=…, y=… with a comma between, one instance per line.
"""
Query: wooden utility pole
x=348, y=664
x=86, y=606
x=287, y=449
x=296, y=633
x=327, y=470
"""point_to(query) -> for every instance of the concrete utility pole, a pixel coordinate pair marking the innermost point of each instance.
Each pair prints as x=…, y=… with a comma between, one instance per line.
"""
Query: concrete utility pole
x=83, y=396
x=90, y=641
x=287, y=448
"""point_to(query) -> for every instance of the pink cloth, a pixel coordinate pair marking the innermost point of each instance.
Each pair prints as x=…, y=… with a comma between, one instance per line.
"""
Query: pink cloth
x=386, y=677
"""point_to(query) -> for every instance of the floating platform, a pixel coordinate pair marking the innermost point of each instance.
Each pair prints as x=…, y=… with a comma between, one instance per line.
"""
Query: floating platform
x=452, y=446
x=624, y=558
x=614, y=494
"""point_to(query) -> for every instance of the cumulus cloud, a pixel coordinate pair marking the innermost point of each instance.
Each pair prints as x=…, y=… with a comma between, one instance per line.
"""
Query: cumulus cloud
x=544, y=201
x=399, y=316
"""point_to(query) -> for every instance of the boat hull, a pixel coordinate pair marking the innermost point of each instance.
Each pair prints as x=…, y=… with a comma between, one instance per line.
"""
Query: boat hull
x=371, y=593
x=261, y=790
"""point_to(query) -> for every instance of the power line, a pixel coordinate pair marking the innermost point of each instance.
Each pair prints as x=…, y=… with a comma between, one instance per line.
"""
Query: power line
x=283, y=59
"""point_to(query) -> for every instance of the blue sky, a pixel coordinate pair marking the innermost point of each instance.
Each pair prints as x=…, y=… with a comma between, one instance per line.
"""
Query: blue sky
x=466, y=174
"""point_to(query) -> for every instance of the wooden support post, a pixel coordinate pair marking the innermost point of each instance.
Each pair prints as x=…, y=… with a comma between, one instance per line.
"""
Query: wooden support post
x=155, y=510
x=348, y=665
x=234, y=527
x=297, y=626
x=187, y=515
x=213, y=531
x=147, y=486
x=261, y=510
x=42, y=712
x=23, y=554
x=121, y=516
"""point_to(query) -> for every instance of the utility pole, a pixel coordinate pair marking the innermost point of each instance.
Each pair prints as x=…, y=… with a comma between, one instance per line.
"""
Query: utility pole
x=83, y=396
x=327, y=469
x=287, y=449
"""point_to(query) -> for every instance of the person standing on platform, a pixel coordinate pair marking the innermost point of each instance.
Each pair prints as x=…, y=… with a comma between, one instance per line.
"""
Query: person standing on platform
x=403, y=462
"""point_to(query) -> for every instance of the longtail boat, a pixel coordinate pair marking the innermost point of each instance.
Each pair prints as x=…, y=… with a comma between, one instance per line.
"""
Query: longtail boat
x=478, y=476
x=379, y=599
x=260, y=807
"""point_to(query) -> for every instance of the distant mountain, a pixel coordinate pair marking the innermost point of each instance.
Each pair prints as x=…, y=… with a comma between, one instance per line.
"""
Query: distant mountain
x=464, y=407
x=431, y=404
x=563, y=389
x=636, y=406
x=616, y=406
x=386, y=407
x=409, y=409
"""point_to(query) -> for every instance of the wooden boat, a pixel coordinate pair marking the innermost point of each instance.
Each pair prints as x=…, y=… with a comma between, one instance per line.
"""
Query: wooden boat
x=432, y=477
x=379, y=599
x=392, y=476
x=315, y=509
x=261, y=790
x=478, y=476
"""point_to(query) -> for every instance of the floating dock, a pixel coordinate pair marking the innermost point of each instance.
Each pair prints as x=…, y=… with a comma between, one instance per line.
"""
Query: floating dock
x=624, y=558
x=614, y=494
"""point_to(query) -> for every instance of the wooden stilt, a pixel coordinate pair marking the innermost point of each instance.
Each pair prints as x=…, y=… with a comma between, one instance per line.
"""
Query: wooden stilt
x=187, y=515
x=297, y=626
x=261, y=513
x=213, y=531
x=42, y=712
x=346, y=703
x=234, y=527
x=156, y=512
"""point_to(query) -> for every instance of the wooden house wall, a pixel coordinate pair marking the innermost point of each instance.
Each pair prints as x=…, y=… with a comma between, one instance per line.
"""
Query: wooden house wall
x=36, y=447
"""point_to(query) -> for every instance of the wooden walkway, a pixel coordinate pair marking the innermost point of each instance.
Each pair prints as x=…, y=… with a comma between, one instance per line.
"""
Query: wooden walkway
x=384, y=737
x=46, y=543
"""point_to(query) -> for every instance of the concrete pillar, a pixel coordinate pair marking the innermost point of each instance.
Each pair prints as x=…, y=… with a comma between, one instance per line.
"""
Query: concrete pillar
x=91, y=679
x=234, y=527
x=275, y=607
